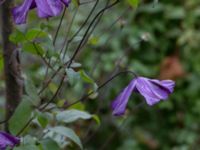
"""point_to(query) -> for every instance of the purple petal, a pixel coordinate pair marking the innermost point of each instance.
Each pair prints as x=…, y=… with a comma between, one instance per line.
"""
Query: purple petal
x=20, y=12
x=119, y=104
x=66, y=2
x=154, y=90
x=8, y=140
x=166, y=84
x=48, y=8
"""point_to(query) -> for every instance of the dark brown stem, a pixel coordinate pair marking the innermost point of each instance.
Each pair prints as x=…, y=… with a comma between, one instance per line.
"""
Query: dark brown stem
x=12, y=67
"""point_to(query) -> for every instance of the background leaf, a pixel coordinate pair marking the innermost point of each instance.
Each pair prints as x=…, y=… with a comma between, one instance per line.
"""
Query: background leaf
x=72, y=115
x=20, y=117
x=69, y=133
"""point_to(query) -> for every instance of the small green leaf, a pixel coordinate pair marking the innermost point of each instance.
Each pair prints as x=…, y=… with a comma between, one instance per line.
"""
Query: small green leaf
x=97, y=119
x=72, y=115
x=20, y=117
x=53, y=87
x=31, y=90
x=93, y=92
x=35, y=33
x=69, y=133
x=49, y=144
x=33, y=48
x=76, y=2
x=93, y=40
x=73, y=76
x=17, y=36
x=28, y=139
x=26, y=147
x=85, y=77
x=79, y=106
x=1, y=62
x=133, y=3
x=75, y=65
x=42, y=119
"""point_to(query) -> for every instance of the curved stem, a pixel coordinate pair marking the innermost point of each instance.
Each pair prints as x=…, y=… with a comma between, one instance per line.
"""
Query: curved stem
x=101, y=86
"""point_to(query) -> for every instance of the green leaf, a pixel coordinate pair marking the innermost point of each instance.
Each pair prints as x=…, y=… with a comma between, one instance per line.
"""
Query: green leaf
x=53, y=87
x=26, y=147
x=17, y=36
x=79, y=106
x=49, y=144
x=93, y=40
x=97, y=119
x=20, y=117
x=75, y=65
x=85, y=77
x=73, y=76
x=93, y=91
x=42, y=119
x=35, y=33
x=133, y=3
x=33, y=48
x=69, y=133
x=1, y=62
x=31, y=90
x=76, y=2
x=28, y=139
x=72, y=115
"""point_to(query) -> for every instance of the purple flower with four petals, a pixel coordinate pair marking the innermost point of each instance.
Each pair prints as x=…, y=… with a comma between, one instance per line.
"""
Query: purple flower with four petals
x=45, y=9
x=7, y=140
x=152, y=90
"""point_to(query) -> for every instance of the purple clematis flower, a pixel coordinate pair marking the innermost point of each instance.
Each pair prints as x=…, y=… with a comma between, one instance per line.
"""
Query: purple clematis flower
x=45, y=9
x=152, y=90
x=7, y=140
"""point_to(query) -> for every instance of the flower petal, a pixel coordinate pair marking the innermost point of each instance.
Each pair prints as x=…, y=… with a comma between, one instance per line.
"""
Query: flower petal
x=154, y=90
x=8, y=140
x=48, y=8
x=166, y=84
x=20, y=12
x=119, y=104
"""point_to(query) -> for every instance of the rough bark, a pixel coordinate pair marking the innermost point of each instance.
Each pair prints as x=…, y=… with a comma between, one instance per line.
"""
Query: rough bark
x=12, y=70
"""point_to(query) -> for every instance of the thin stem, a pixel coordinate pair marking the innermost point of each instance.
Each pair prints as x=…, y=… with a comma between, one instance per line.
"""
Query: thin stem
x=54, y=40
x=96, y=22
x=49, y=81
x=88, y=29
x=26, y=125
x=101, y=86
x=54, y=96
x=79, y=30
x=59, y=26
x=66, y=42
x=85, y=22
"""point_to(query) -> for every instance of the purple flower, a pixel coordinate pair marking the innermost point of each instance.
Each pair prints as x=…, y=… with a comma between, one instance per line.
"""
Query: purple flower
x=152, y=90
x=7, y=140
x=45, y=9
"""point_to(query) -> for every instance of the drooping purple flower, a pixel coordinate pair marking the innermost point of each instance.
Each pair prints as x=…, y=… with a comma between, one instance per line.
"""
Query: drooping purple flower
x=7, y=140
x=45, y=9
x=152, y=90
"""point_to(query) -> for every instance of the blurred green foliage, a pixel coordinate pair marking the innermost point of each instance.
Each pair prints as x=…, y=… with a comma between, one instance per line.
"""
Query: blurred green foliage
x=156, y=39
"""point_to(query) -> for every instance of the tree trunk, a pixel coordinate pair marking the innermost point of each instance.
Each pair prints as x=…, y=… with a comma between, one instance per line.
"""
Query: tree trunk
x=12, y=69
